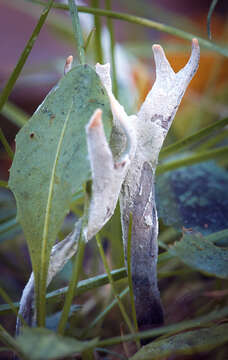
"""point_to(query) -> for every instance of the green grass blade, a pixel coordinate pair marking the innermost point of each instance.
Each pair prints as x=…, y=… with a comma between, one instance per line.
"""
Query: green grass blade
x=77, y=31
x=97, y=24
x=4, y=184
x=89, y=37
x=11, y=343
x=8, y=225
x=78, y=260
x=14, y=114
x=83, y=286
x=6, y=145
x=193, y=159
x=21, y=62
x=88, y=284
x=214, y=140
x=112, y=353
x=7, y=299
x=181, y=144
x=112, y=50
x=145, y=22
x=104, y=312
x=181, y=326
x=77, y=266
x=210, y=12
x=122, y=309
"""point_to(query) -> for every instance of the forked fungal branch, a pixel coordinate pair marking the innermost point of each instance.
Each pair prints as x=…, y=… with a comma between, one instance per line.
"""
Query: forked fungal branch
x=126, y=169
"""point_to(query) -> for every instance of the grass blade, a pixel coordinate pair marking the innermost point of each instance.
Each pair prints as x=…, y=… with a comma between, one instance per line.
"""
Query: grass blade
x=83, y=286
x=14, y=114
x=89, y=37
x=77, y=266
x=97, y=24
x=213, y=140
x=77, y=31
x=105, y=312
x=78, y=259
x=88, y=284
x=4, y=184
x=112, y=50
x=210, y=12
x=123, y=311
x=11, y=343
x=181, y=144
x=7, y=299
x=181, y=326
x=145, y=22
x=21, y=62
x=6, y=145
x=194, y=159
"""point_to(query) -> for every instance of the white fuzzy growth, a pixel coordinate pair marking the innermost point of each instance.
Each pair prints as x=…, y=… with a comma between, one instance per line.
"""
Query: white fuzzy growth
x=104, y=73
x=60, y=255
x=107, y=175
x=161, y=103
x=157, y=113
x=144, y=135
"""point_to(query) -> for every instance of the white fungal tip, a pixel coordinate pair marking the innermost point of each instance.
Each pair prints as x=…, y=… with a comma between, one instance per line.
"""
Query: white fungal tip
x=163, y=67
x=156, y=47
x=195, y=42
x=68, y=64
x=96, y=119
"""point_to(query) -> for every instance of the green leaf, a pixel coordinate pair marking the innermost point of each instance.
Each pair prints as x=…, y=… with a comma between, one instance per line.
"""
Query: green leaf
x=190, y=342
x=201, y=254
x=43, y=344
x=51, y=161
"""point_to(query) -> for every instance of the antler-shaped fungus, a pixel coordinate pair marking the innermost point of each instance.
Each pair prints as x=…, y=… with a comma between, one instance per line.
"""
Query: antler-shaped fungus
x=151, y=126
x=127, y=168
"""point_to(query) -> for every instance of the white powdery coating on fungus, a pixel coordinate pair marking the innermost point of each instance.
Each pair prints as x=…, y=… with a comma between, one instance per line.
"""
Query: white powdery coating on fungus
x=144, y=134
